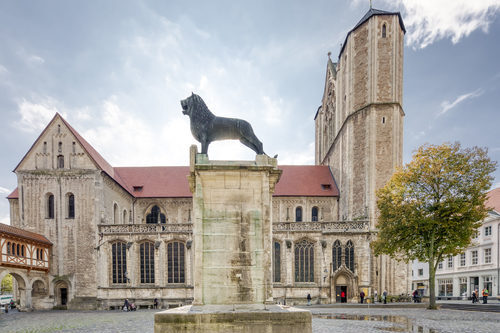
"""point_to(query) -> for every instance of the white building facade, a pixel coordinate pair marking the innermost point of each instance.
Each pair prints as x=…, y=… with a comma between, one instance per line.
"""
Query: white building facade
x=477, y=268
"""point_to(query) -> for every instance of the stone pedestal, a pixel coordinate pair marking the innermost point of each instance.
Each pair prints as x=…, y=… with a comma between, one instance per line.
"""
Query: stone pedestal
x=232, y=242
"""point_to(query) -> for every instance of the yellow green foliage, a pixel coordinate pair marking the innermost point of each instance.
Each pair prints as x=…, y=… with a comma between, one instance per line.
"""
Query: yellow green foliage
x=7, y=284
x=431, y=208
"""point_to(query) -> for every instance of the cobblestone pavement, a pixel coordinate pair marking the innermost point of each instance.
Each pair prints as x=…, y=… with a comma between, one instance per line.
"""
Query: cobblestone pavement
x=325, y=320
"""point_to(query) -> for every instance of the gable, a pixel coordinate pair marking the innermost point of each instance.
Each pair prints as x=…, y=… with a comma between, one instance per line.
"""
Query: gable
x=58, y=143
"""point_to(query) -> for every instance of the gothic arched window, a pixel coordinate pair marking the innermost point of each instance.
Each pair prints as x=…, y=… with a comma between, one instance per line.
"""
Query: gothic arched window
x=384, y=31
x=125, y=221
x=349, y=255
x=298, y=214
x=156, y=216
x=119, y=262
x=314, y=214
x=147, y=254
x=304, y=261
x=175, y=262
x=277, y=262
x=336, y=255
x=50, y=206
x=71, y=206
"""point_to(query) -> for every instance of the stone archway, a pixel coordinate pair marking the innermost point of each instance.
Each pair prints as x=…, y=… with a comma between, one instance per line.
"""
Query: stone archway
x=40, y=295
x=22, y=289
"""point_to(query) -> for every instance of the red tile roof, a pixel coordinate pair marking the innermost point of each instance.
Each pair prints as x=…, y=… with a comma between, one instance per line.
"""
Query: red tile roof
x=306, y=180
x=10, y=230
x=155, y=182
x=493, y=200
x=14, y=194
x=171, y=181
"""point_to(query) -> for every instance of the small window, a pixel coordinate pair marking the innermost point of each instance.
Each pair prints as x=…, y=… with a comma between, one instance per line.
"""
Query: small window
x=462, y=259
x=420, y=271
x=314, y=214
x=71, y=206
x=115, y=214
x=326, y=187
x=440, y=265
x=487, y=256
x=473, y=257
x=50, y=206
x=60, y=147
x=8, y=247
x=383, y=120
x=298, y=214
x=487, y=231
x=450, y=262
x=60, y=162
x=384, y=31
x=45, y=147
x=74, y=147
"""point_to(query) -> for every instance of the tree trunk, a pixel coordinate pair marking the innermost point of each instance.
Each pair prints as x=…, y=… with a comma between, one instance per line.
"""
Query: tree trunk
x=432, y=287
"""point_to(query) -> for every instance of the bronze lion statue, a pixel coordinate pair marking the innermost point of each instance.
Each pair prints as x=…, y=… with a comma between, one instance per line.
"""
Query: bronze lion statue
x=206, y=127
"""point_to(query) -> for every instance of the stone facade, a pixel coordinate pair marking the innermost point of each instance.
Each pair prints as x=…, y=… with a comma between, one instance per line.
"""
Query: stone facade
x=359, y=129
x=100, y=242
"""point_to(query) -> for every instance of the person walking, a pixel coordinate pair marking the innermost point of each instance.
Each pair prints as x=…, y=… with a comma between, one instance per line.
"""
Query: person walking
x=308, y=299
x=375, y=297
x=474, y=296
x=362, y=296
x=384, y=296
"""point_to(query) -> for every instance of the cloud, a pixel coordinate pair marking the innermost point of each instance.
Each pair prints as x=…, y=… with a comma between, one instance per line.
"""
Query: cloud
x=36, y=115
x=428, y=21
x=4, y=190
x=3, y=69
x=447, y=106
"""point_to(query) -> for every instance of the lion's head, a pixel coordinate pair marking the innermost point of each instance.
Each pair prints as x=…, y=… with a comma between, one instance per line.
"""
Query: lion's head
x=195, y=106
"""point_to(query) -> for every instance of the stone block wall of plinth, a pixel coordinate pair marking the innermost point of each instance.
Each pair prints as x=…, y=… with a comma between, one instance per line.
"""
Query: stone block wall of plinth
x=232, y=230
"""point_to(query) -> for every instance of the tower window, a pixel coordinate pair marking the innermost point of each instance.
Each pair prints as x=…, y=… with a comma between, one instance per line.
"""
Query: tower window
x=74, y=147
x=71, y=206
x=383, y=120
x=384, y=31
x=45, y=147
x=60, y=147
x=50, y=206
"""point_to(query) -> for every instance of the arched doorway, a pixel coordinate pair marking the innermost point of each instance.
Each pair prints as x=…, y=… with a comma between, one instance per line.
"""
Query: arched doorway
x=341, y=289
x=61, y=294
x=344, y=285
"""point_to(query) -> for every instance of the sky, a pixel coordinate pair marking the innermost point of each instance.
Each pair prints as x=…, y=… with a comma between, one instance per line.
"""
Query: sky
x=116, y=71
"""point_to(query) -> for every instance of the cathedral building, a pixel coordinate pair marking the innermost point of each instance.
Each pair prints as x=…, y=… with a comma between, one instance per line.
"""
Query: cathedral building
x=112, y=233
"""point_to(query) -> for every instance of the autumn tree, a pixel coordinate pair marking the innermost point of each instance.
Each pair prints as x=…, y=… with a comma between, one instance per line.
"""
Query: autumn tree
x=432, y=207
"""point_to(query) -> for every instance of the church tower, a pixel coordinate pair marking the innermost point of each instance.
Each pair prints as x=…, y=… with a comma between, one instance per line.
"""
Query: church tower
x=359, y=125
